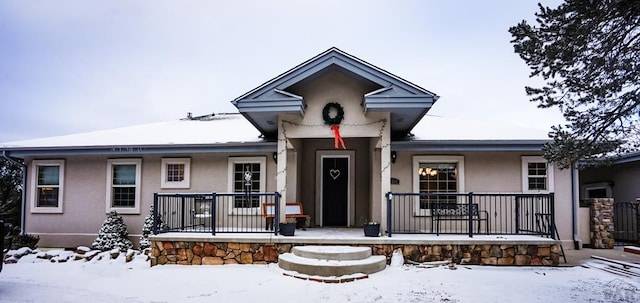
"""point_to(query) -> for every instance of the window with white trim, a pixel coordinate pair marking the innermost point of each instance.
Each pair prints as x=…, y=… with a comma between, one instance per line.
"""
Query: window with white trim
x=537, y=174
x=247, y=175
x=437, y=174
x=47, y=189
x=175, y=173
x=123, y=185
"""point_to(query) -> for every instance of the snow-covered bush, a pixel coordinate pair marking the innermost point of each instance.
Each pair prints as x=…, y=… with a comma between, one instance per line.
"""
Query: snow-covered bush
x=25, y=240
x=113, y=234
x=147, y=229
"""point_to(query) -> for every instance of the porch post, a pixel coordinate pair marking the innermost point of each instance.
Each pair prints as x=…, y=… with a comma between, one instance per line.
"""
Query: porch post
x=281, y=170
x=385, y=172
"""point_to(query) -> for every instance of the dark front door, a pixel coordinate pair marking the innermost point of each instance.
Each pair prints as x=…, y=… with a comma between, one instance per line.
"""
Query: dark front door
x=335, y=191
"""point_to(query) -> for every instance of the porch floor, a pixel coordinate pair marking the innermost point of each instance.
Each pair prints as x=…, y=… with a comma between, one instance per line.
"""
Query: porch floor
x=353, y=236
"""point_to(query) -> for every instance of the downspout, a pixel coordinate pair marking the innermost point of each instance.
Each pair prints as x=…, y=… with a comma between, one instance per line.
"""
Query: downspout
x=574, y=206
x=24, y=188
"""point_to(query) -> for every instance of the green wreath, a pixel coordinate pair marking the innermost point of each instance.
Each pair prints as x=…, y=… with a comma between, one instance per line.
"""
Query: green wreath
x=335, y=120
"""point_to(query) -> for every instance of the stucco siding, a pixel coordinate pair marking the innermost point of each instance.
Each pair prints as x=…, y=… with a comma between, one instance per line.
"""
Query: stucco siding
x=85, y=186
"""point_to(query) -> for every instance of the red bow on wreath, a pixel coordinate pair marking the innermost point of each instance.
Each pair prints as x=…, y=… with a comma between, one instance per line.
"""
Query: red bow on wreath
x=336, y=136
x=334, y=121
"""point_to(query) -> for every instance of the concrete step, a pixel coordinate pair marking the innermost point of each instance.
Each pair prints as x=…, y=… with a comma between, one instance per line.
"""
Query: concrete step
x=339, y=253
x=330, y=261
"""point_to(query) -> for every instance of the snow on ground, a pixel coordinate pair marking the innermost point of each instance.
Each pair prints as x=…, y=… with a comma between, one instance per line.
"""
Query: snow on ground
x=114, y=280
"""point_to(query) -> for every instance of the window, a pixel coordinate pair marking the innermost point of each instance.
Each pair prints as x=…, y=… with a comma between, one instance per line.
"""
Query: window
x=437, y=174
x=175, y=173
x=597, y=190
x=123, y=185
x=537, y=174
x=48, y=186
x=247, y=175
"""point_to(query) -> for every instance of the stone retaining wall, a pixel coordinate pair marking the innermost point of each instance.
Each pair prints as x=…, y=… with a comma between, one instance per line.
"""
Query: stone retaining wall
x=205, y=253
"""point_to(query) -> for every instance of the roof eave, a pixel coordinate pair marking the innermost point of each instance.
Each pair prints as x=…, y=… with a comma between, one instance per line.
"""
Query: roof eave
x=132, y=150
x=469, y=145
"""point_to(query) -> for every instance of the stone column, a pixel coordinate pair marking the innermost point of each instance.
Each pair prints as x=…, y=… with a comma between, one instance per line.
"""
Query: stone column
x=601, y=224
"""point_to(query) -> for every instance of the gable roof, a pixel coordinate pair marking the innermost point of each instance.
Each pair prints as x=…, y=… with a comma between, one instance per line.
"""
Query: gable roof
x=406, y=102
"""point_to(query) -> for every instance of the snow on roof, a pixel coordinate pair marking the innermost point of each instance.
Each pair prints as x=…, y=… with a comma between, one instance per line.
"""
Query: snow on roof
x=441, y=128
x=234, y=128
x=218, y=128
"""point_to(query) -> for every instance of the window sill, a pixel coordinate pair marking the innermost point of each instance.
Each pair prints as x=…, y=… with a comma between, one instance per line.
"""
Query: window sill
x=47, y=210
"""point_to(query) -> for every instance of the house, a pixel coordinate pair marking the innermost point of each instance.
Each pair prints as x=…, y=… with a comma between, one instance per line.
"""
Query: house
x=620, y=181
x=335, y=133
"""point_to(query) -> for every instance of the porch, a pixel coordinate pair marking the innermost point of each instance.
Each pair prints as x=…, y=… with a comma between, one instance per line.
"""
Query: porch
x=203, y=229
x=470, y=214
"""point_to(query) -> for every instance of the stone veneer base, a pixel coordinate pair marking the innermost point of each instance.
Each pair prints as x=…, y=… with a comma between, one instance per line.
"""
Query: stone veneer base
x=194, y=252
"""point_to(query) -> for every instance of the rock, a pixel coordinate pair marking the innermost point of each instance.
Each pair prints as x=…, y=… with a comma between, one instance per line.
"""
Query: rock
x=245, y=247
x=490, y=261
x=162, y=259
x=197, y=260
x=270, y=253
x=212, y=261
x=209, y=250
x=495, y=251
x=230, y=261
x=233, y=246
x=544, y=251
x=505, y=261
x=91, y=254
x=115, y=253
x=246, y=258
x=197, y=250
x=522, y=260
x=509, y=252
x=81, y=250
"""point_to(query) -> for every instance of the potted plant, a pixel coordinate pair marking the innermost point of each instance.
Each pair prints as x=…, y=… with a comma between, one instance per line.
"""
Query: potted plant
x=288, y=228
x=372, y=229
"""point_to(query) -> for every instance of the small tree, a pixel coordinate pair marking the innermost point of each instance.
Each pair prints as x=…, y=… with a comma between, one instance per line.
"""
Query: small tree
x=113, y=234
x=10, y=191
x=147, y=229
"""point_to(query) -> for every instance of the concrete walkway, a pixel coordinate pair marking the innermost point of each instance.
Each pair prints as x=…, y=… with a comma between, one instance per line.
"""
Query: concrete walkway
x=577, y=257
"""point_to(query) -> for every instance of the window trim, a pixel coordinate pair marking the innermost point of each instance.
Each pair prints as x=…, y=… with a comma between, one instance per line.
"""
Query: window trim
x=262, y=160
x=599, y=185
x=34, y=185
x=185, y=183
x=124, y=210
x=525, y=174
x=459, y=160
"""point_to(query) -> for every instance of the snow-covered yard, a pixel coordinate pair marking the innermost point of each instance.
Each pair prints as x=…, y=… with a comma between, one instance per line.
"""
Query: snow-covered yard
x=114, y=280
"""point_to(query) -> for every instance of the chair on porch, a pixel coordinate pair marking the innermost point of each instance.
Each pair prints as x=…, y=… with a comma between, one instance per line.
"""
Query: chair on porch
x=292, y=210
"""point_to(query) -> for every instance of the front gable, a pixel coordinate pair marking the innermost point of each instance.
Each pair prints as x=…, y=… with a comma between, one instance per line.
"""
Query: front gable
x=407, y=103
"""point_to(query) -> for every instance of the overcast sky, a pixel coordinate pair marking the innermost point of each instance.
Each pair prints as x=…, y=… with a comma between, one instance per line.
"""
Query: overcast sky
x=77, y=66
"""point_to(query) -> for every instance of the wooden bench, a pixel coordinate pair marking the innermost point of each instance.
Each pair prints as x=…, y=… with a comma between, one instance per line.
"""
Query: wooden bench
x=459, y=212
x=292, y=210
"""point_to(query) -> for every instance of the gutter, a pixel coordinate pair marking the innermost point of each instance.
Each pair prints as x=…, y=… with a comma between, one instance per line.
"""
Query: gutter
x=24, y=188
x=574, y=206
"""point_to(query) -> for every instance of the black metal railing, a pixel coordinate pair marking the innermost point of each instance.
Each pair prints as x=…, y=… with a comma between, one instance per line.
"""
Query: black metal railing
x=470, y=213
x=213, y=212
x=626, y=222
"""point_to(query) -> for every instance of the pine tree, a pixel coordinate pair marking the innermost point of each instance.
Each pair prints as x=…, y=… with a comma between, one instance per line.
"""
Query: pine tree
x=113, y=234
x=147, y=229
x=587, y=54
